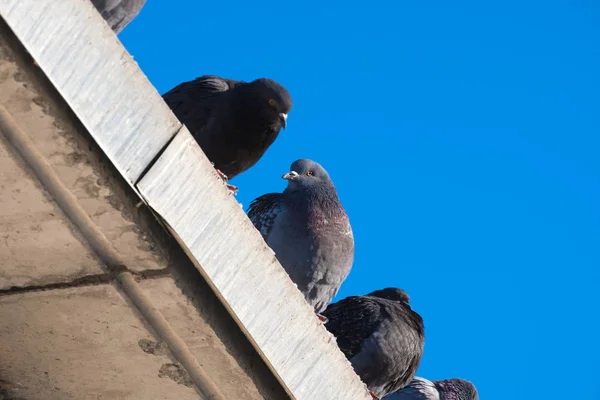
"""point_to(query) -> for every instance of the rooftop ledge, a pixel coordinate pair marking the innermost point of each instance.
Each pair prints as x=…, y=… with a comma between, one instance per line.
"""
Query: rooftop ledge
x=157, y=157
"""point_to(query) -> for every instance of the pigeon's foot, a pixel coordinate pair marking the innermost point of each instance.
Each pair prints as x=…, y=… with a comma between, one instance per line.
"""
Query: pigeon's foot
x=222, y=175
x=322, y=318
x=373, y=395
x=233, y=189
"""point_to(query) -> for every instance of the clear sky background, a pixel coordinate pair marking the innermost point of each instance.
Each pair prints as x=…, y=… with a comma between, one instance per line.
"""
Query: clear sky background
x=463, y=140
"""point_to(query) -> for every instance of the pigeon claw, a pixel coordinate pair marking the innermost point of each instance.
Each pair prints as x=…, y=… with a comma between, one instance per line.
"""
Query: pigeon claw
x=232, y=188
x=322, y=318
x=222, y=175
x=373, y=395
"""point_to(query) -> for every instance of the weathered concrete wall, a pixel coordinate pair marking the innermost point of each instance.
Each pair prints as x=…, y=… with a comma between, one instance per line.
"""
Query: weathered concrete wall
x=82, y=343
x=158, y=158
x=67, y=329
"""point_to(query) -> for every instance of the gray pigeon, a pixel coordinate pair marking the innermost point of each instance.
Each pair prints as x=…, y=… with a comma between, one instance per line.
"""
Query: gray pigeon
x=234, y=122
x=381, y=336
x=118, y=13
x=449, y=389
x=309, y=231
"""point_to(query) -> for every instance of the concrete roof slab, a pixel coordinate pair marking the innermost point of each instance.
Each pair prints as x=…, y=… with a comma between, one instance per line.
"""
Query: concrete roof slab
x=54, y=349
x=80, y=170
x=37, y=244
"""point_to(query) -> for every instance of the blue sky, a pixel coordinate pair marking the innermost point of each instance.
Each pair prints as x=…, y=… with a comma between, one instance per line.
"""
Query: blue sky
x=464, y=144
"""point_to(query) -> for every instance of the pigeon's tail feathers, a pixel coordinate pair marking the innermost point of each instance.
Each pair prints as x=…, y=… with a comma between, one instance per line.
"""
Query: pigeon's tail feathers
x=263, y=212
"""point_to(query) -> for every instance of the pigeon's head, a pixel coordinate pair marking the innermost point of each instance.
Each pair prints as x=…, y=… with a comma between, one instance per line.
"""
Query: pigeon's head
x=394, y=294
x=273, y=100
x=457, y=389
x=306, y=173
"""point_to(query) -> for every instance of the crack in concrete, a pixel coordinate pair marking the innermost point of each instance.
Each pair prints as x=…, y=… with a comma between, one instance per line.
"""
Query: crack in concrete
x=151, y=273
x=89, y=280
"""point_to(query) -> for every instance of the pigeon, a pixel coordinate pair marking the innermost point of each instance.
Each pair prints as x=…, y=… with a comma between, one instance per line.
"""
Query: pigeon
x=381, y=336
x=309, y=231
x=234, y=122
x=118, y=13
x=449, y=389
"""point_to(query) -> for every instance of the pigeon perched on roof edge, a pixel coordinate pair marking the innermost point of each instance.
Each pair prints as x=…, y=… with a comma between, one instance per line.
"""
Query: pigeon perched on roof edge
x=234, y=122
x=381, y=336
x=118, y=13
x=448, y=389
x=309, y=231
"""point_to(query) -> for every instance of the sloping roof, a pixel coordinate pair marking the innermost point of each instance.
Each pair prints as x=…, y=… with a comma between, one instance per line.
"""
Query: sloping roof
x=106, y=237
x=96, y=299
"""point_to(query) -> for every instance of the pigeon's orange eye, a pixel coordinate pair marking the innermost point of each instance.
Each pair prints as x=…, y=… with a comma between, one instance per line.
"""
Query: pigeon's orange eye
x=272, y=102
x=310, y=173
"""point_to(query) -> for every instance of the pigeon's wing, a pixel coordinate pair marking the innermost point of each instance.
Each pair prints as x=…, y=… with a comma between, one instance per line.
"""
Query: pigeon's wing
x=193, y=92
x=263, y=212
x=352, y=320
x=402, y=336
x=118, y=13
x=195, y=103
x=417, y=389
x=389, y=357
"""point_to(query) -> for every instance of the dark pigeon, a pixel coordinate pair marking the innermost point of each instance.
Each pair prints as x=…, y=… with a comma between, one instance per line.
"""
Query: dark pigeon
x=381, y=336
x=234, y=122
x=118, y=13
x=449, y=389
x=309, y=231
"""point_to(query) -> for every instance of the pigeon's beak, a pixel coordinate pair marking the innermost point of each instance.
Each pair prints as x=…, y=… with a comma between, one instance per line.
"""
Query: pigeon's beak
x=290, y=176
x=283, y=118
